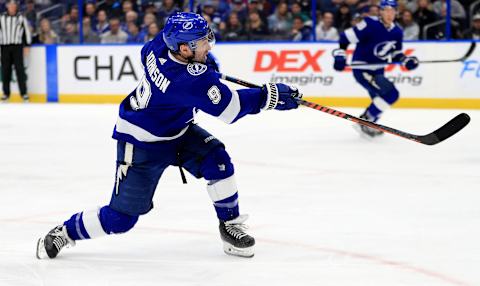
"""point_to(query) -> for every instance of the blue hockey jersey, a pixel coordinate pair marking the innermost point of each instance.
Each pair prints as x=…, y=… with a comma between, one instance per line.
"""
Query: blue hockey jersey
x=375, y=43
x=163, y=105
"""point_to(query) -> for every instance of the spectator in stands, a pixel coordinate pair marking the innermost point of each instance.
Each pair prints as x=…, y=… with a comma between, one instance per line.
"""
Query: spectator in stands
x=300, y=32
x=168, y=8
x=343, y=18
x=473, y=33
x=411, y=5
x=256, y=6
x=89, y=36
x=30, y=13
x=115, y=35
x=411, y=31
x=74, y=14
x=90, y=10
x=438, y=31
x=102, y=25
x=127, y=6
x=458, y=12
x=134, y=36
x=150, y=7
x=424, y=15
x=45, y=34
x=373, y=11
x=325, y=30
x=130, y=17
x=233, y=30
x=329, y=5
x=238, y=7
x=112, y=7
x=215, y=28
x=296, y=9
x=210, y=8
x=256, y=28
x=70, y=34
x=148, y=19
x=153, y=30
x=280, y=23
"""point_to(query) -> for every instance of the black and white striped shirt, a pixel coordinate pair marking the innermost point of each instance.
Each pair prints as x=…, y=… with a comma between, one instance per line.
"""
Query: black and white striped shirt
x=14, y=30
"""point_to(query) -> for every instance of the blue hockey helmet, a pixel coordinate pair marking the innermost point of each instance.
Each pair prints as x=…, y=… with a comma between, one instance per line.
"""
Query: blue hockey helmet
x=186, y=28
x=388, y=3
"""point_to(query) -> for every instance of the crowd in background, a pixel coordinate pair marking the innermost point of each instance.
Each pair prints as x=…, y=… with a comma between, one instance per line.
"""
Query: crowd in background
x=137, y=21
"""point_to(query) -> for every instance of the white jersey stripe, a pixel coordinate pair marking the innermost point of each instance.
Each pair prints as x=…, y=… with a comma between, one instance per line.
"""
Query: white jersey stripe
x=380, y=103
x=92, y=224
x=222, y=189
x=351, y=36
x=123, y=126
x=232, y=110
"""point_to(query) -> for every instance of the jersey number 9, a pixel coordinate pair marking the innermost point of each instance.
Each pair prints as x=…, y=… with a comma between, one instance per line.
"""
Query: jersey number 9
x=142, y=95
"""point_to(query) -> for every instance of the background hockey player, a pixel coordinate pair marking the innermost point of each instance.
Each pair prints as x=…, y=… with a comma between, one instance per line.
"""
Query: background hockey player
x=155, y=129
x=377, y=41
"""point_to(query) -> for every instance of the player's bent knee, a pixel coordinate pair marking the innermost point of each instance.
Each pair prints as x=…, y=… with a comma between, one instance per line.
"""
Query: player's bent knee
x=217, y=165
x=394, y=95
x=116, y=222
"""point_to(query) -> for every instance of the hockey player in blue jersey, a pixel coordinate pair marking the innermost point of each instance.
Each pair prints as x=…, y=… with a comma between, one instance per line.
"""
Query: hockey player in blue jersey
x=377, y=41
x=155, y=129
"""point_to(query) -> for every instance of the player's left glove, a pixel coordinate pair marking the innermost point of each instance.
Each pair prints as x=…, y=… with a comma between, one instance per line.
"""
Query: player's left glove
x=280, y=96
x=410, y=63
x=340, y=59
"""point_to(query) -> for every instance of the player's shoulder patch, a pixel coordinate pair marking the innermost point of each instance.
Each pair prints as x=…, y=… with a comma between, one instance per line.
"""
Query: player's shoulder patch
x=214, y=94
x=196, y=69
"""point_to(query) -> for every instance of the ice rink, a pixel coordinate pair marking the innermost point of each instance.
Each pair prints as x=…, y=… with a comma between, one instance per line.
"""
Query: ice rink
x=326, y=206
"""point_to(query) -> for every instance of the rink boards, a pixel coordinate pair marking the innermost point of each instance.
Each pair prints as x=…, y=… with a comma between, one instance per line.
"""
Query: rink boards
x=107, y=73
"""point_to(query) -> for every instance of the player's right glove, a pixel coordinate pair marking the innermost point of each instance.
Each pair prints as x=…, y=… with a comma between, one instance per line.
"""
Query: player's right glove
x=410, y=63
x=340, y=57
x=280, y=96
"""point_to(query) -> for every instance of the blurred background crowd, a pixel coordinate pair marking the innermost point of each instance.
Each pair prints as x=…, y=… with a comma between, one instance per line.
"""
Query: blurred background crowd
x=137, y=21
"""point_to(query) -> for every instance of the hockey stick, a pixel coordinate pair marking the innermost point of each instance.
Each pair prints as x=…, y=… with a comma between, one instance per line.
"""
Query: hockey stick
x=437, y=136
x=466, y=56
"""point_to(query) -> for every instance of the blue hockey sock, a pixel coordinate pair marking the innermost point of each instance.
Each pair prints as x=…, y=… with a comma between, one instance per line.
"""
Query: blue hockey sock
x=84, y=225
x=225, y=197
x=227, y=209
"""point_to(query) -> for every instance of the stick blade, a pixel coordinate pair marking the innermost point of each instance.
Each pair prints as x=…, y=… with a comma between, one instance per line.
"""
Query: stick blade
x=470, y=50
x=447, y=130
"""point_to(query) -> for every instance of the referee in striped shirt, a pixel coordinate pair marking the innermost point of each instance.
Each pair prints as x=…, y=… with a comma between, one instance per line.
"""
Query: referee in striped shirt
x=14, y=36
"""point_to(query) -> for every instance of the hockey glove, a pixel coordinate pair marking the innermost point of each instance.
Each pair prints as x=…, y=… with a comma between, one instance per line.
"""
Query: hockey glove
x=410, y=63
x=340, y=58
x=280, y=96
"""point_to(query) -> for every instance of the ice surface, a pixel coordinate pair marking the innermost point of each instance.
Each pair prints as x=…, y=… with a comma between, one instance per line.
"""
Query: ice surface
x=326, y=207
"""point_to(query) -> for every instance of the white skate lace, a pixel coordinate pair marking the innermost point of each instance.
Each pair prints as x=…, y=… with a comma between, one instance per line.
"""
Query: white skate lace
x=236, y=227
x=236, y=230
x=61, y=239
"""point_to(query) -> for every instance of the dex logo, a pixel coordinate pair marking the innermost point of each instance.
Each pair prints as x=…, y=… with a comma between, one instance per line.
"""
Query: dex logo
x=288, y=61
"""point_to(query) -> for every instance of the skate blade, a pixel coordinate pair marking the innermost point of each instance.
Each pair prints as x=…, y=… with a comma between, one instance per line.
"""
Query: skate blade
x=364, y=135
x=236, y=251
x=41, y=252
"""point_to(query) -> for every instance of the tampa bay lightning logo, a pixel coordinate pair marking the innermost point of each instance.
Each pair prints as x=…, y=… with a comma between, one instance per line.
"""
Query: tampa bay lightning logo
x=196, y=68
x=187, y=25
x=383, y=50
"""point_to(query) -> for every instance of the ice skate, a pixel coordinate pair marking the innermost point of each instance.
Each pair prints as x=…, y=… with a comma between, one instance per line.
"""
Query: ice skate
x=366, y=131
x=5, y=98
x=235, y=240
x=50, y=245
